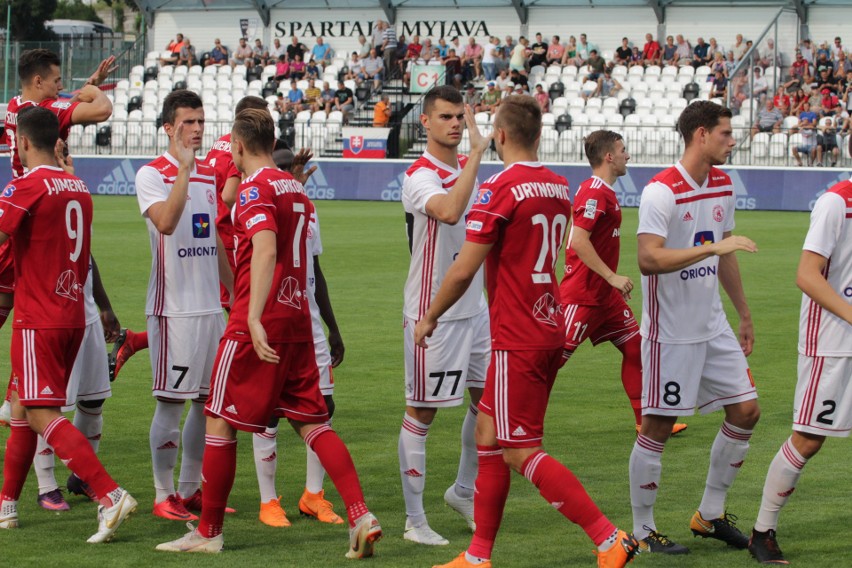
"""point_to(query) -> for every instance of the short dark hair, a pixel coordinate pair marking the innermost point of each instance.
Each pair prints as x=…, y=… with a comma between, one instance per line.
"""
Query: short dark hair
x=255, y=129
x=520, y=117
x=598, y=144
x=445, y=93
x=701, y=114
x=36, y=62
x=40, y=126
x=182, y=98
x=250, y=102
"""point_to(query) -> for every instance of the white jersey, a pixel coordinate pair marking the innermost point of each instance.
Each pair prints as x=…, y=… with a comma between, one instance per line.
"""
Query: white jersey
x=314, y=248
x=93, y=314
x=434, y=245
x=184, y=265
x=684, y=306
x=821, y=333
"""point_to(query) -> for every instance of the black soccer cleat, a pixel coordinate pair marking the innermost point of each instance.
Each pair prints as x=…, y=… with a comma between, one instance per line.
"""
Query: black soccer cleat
x=724, y=529
x=764, y=547
x=660, y=544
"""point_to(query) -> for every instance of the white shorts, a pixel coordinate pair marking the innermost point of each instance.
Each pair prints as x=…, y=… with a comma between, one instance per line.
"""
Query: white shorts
x=89, y=378
x=678, y=378
x=323, y=356
x=823, y=404
x=182, y=352
x=457, y=358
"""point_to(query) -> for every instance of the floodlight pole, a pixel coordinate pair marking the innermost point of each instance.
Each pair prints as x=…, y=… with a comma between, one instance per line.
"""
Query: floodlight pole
x=6, y=55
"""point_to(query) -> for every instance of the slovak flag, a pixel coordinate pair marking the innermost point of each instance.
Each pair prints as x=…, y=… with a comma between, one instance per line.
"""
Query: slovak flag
x=365, y=142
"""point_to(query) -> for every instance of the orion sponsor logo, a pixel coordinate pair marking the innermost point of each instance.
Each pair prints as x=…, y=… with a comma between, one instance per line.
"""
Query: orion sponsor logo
x=121, y=181
x=700, y=272
x=848, y=292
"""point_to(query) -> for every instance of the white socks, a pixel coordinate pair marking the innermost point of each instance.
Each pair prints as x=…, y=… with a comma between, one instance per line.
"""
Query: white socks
x=412, y=467
x=266, y=462
x=645, y=470
x=164, y=439
x=194, y=428
x=314, y=472
x=726, y=458
x=468, y=460
x=781, y=480
x=43, y=463
x=90, y=422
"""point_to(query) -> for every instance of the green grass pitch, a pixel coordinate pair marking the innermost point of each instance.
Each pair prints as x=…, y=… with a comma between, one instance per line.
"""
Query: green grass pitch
x=589, y=426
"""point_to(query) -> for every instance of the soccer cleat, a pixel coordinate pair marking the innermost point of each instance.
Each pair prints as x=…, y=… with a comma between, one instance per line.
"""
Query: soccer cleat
x=193, y=542
x=620, y=553
x=110, y=518
x=53, y=501
x=77, y=486
x=363, y=536
x=122, y=350
x=676, y=429
x=724, y=529
x=315, y=505
x=6, y=413
x=173, y=509
x=461, y=561
x=423, y=534
x=764, y=547
x=193, y=503
x=660, y=543
x=8, y=514
x=461, y=505
x=273, y=514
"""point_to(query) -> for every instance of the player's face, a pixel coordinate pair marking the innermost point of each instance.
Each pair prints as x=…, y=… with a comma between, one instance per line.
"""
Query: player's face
x=620, y=157
x=192, y=120
x=444, y=123
x=719, y=142
x=51, y=82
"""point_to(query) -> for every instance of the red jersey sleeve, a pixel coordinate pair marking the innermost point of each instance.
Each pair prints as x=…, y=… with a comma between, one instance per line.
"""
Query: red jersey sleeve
x=16, y=200
x=255, y=209
x=492, y=209
x=64, y=110
x=589, y=206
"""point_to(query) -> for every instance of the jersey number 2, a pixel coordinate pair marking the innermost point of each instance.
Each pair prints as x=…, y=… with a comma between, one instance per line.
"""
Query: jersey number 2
x=552, y=235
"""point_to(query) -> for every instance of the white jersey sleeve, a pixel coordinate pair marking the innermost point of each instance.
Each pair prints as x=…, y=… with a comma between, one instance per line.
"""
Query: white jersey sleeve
x=827, y=221
x=421, y=186
x=150, y=189
x=93, y=314
x=315, y=249
x=655, y=210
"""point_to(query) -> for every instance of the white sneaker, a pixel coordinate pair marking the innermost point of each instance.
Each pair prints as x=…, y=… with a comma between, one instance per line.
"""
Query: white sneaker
x=423, y=534
x=194, y=542
x=9, y=515
x=363, y=536
x=110, y=518
x=6, y=414
x=462, y=506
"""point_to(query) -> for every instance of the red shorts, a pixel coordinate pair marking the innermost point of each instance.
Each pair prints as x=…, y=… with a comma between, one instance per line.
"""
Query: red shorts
x=7, y=268
x=42, y=360
x=224, y=297
x=612, y=321
x=247, y=392
x=516, y=394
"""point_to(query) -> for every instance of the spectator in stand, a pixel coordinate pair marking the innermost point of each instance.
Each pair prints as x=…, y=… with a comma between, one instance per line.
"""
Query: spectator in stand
x=608, y=86
x=584, y=49
x=652, y=52
x=701, y=53
x=538, y=55
x=635, y=58
x=768, y=119
x=259, y=53
x=719, y=90
x=846, y=92
x=313, y=96
x=295, y=98
x=730, y=63
x=472, y=60
x=507, y=49
x=597, y=65
x=443, y=48
x=174, y=49
x=823, y=49
x=823, y=64
x=827, y=142
x=808, y=51
x=684, y=51
x=519, y=79
x=414, y=49
x=455, y=43
x=520, y=54
x=219, y=54
x=807, y=128
x=555, y=51
x=759, y=87
x=542, y=98
x=242, y=54
x=768, y=58
x=401, y=53
x=344, y=101
x=312, y=70
x=782, y=101
x=296, y=48
x=490, y=55
x=502, y=80
x=378, y=35
x=282, y=68
x=277, y=50
x=327, y=97
x=373, y=70
x=718, y=65
x=490, y=99
x=842, y=65
x=187, y=54
x=471, y=96
x=356, y=67
x=739, y=48
x=389, y=44
x=800, y=67
x=453, y=66
x=830, y=103
x=797, y=102
x=715, y=48
x=623, y=54
x=837, y=48
x=826, y=81
x=669, y=52
x=382, y=112
x=297, y=68
x=321, y=52
x=365, y=47
x=754, y=56
x=570, y=54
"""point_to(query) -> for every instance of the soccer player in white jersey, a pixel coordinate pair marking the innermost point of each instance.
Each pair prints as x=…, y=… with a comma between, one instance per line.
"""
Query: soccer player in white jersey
x=177, y=197
x=437, y=193
x=823, y=405
x=691, y=357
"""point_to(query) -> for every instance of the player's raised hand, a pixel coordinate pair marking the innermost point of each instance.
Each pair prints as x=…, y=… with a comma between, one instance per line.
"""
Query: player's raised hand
x=103, y=71
x=300, y=160
x=733, y=244
x=258, y=339
x=63, y=159
x=422, y=330
x=478, y=141
x=335, y=344
x=185, y=151
x=621, y=283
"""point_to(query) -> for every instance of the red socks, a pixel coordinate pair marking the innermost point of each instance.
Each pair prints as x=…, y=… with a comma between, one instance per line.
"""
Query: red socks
x=489, y=499
x=217, y=472
x=566, y=494
x=20, y=449
x=74, y=449
x=631, y=373
x=138, y=340
x=335, y=458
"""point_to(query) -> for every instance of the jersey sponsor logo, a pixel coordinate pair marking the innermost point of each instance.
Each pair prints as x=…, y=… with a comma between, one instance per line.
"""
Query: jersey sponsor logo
x=289, y=293
x=687, y=217
x=190, y=252
x=232, y=409
x=519, y=431
x=718, y=213
x=700, y=272
x=474, y=226
x=8, y=191
x=616, y=232
x=67, y=285
x=847, y=292
x=484, y=196
x=255, y=220
x=201, y=225
x=546, y=310
x=248, y=195
x=46, y=391
x=591, y=208
x=703, y=238
x=211, y=199
x=61, y=105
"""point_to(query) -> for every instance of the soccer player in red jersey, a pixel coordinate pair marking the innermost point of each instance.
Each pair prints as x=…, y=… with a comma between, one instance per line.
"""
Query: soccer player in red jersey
x=266, y=365
x=49, y=212
x=593, y=294
x=517, y=227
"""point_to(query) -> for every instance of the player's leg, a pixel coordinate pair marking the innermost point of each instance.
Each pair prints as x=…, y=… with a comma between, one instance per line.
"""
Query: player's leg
x=265, y=450
x=49, y=495
x=7, y=288
x=88, y=419
x=20, y=449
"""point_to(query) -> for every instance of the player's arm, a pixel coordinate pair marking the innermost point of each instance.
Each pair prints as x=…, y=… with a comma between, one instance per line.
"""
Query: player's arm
x=3, y=237
x=112, y=327
x=810, y=280
x=583, y=247
x=226, y=275
x=455, y=284
x=166, y=214
x=94, y=106
x=729, y=277
x=450, y=207
x=654, y=258
x=264, y=251
x=335, y=341
x=229, y=191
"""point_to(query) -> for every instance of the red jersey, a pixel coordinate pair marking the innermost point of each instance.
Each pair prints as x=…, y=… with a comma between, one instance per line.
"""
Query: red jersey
x=272, y=200
x=49, y=213
x=523, y=211
x=597, y=211
x=220, y=159
x=63, y=109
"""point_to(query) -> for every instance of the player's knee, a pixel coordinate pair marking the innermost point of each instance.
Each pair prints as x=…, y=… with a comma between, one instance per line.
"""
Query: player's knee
x=91, y=403
x=807, y=444
x=745, y=415
x=516, y=457
x=329, y=404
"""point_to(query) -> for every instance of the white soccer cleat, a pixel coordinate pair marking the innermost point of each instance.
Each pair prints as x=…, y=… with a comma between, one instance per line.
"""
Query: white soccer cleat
x=6, y=414
x=110, y=518
x=194, y=542
x=423, y=534
x=462, y=506
x=9, y=515
x=363, y=536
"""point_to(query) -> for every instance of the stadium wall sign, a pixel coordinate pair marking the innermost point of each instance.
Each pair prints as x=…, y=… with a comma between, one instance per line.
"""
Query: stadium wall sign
x=765, y=189
x=348, y=28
